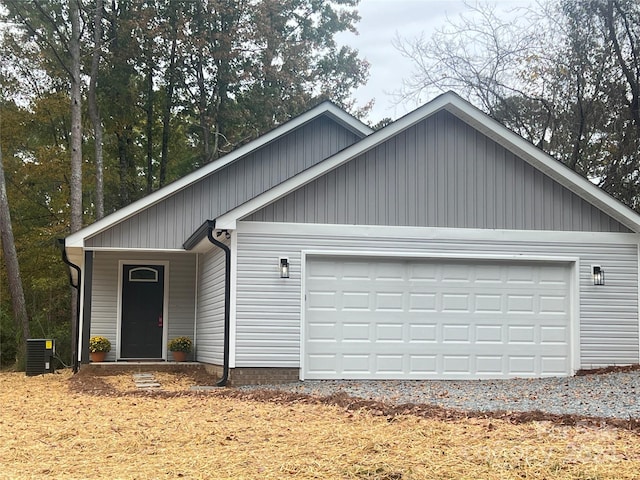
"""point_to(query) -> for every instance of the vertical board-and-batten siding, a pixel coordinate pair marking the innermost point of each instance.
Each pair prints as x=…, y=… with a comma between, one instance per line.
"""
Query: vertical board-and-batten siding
x=104, y=305
x=268, y=308
x=210, y=316
x=169, y=223
x=439, y=173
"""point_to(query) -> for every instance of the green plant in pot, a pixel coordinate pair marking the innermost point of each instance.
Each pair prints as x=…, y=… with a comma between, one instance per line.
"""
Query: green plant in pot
x=180, y=347
x=98, y=348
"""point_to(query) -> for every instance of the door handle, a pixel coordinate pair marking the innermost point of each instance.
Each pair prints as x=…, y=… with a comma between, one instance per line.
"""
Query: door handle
x=160, y=321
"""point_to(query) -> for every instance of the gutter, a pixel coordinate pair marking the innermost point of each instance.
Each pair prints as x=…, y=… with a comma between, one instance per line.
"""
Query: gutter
x=211, y=224
x=76, y=330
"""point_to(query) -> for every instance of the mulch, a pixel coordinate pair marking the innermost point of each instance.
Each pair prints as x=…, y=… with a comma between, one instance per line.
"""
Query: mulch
x=94, y=383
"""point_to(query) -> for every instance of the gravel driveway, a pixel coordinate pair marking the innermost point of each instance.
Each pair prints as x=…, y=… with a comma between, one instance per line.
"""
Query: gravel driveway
x=610, y=395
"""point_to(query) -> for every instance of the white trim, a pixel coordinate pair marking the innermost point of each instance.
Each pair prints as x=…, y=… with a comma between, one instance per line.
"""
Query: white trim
x=165, y=303
x=441, y=256
x=435, y=233
x=475, y=118
x=81, y=312
x=574, y=287
x=638, y=297
x=303, y=309
x=233, y=322
x=77, y=239
x=196, y=298
x=139, y=250
x=574, y=291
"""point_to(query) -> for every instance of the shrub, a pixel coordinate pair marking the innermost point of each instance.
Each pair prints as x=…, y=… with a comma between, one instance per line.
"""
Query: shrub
x=180, y=344
x=99, y=344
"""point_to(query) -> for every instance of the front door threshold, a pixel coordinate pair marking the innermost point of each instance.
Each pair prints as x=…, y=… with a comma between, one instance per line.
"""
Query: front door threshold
x=141, y=360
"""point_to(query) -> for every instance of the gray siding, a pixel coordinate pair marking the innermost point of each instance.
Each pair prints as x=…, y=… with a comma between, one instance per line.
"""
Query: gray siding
x=169, y=223
x=268, y=308
x=182, y=285
x=210, y=323
x=440, y=173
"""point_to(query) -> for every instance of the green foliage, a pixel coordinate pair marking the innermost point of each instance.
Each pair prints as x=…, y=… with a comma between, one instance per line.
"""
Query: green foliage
x=99, y=344
x=225, y=71
x=180, y=344
x=8, y=339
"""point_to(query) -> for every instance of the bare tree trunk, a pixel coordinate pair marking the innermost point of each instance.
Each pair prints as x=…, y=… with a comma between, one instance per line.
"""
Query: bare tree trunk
x=76, y=119
x=20, y=315
x=149, y=59
x=94, y=112
x=75, y=188
x=168, y=103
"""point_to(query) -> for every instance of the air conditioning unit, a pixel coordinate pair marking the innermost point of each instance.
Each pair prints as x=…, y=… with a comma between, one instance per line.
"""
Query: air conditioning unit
x=40, y=354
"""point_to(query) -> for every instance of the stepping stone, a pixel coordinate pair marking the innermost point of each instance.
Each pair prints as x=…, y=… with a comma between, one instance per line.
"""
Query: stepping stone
x=148, y=385
x=145, y=380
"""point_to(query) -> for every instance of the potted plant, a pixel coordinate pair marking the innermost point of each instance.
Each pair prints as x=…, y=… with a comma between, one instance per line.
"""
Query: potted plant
x=180, y=347
x=98, y=348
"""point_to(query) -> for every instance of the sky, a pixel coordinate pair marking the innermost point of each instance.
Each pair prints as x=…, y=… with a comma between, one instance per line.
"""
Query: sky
x=381, y=21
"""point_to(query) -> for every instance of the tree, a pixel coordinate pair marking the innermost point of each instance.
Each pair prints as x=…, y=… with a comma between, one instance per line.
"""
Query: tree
x=565, y=76
x=11, y=261
x=171, y=85
x=94, y=109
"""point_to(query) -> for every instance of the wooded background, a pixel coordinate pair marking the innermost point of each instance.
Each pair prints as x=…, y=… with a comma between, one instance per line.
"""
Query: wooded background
x=104, y=102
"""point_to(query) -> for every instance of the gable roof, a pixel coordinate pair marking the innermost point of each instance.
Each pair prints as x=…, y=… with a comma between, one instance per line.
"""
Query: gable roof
x=477, y=119
x=326, y=108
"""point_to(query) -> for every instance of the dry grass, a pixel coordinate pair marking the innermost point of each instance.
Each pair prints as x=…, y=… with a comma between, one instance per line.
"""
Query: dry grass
x=53, y=426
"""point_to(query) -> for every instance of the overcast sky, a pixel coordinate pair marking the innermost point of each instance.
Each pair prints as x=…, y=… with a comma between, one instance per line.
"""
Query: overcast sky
x=380, y=21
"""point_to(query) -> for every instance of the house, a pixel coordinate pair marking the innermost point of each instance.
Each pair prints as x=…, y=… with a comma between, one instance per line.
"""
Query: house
x=443, y=246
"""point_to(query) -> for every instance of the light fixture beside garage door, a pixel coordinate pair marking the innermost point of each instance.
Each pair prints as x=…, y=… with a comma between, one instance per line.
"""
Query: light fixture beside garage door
x=598, y=275
x=284, y=267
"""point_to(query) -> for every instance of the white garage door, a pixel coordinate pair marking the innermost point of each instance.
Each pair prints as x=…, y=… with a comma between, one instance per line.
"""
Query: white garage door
x=415, y=318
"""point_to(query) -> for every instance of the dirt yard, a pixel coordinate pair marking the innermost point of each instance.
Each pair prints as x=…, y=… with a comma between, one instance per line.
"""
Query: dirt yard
x=61, y=426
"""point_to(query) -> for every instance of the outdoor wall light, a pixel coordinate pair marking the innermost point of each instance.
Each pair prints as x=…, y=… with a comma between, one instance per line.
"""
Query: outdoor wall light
x=284, y=267
x=598, y=275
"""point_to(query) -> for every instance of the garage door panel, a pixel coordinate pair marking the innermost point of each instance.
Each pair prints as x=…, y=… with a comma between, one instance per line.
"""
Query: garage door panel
x=422, y=302
x=322, y=300
x=553, y=304
x=422, y=333
x=396, y=318
x=554, y=335
x=356, y=301
x=389, y=301
x=355, y=332
x=390, y=332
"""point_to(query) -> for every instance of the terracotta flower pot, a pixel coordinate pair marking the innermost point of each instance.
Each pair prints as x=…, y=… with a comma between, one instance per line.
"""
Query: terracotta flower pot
x=98, y=356
x=179, y=356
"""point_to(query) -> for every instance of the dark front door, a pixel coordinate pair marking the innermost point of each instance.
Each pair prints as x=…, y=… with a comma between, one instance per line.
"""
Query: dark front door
x=142, y=311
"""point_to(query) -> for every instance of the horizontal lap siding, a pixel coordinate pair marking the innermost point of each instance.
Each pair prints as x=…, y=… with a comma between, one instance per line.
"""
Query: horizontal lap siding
x=182, y=296
x=210, y=323
x=104, y=300
x=169, y=223
x=268, y=308
x=104, y=305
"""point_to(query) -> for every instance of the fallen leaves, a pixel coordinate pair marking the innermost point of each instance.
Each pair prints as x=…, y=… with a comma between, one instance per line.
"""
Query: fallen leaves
x=61, y=426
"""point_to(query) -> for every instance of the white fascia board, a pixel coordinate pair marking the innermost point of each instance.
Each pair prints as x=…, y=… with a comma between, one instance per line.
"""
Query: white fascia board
x=477, y=119
x=436, y=233
x=77, y=239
